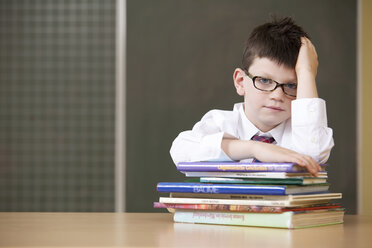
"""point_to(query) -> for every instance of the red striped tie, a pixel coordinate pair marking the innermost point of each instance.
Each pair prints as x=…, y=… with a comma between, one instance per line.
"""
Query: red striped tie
x=262, y=139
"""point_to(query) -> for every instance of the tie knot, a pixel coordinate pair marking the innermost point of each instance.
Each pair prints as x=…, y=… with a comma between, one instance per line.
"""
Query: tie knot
x=263, y=139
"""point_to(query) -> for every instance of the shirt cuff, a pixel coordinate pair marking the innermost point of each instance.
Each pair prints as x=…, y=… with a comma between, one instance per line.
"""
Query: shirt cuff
x=309, y=111
x=212, y=145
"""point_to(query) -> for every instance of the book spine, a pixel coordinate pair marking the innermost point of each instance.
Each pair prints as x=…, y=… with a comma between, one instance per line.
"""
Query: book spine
x=297, y=197
x=278, y=175
x=233, y=196
x=222, y=207
x=295, y=181
x=281, y=220
x=230, y=202
x=221, y=188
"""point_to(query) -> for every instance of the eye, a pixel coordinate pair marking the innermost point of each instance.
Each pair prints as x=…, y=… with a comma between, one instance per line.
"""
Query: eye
x=291, y=86
x=264, y=80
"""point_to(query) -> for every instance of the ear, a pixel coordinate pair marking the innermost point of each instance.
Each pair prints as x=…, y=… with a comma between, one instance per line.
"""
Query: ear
x=238, y=78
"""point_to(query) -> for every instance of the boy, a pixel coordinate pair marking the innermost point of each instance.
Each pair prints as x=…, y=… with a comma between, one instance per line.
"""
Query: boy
x=281, y=104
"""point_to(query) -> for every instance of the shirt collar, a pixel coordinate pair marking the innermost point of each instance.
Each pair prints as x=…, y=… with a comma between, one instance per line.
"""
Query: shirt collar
x=247, y=130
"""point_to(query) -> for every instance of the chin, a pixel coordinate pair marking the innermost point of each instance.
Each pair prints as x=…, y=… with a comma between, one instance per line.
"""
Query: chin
x=275, y=120
x=272, y=124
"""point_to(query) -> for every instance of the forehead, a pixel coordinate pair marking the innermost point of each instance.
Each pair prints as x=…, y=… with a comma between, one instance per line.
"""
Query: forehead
x=266, y=67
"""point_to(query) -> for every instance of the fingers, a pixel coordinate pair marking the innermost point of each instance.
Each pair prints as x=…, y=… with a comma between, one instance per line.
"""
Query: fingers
x=304, y=40
x=306, y=43
x=311, y=165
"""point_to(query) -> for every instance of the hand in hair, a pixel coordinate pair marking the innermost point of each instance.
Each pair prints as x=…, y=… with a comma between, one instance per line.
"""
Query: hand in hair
x=306, y=70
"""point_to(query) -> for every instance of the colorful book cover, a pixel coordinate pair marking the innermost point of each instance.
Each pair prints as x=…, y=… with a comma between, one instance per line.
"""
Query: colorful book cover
x=242, y=167
x=240, y=188
x=243, y=208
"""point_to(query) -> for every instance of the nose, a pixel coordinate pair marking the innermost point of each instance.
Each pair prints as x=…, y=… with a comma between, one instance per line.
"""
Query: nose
x=278, y=94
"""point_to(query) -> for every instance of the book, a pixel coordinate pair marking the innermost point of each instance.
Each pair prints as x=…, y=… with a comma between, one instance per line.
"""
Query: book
x=289, y=220
x=241, y=208
x=240, y=188
x=295, y=181
x=260, y=200
x=284, y=203
x=242, y=167
x=299, y=197
x=253, y=174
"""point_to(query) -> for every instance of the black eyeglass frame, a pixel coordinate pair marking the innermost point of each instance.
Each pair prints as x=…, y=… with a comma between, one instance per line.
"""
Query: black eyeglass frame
x=276, y=86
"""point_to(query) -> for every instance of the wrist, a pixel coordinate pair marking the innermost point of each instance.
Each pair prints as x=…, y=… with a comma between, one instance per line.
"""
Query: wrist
x=305, y=73
x=249, y=146
x=306, y=86
x=253, y=148
x=238, y=149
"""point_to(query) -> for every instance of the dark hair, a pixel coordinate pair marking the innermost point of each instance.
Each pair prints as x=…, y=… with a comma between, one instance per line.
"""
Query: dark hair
x=278, y=40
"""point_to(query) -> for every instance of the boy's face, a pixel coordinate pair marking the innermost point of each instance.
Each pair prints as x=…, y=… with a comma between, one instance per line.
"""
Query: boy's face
x=265, y=110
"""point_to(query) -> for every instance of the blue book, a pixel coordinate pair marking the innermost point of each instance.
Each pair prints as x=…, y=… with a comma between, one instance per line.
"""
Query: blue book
x=221, y=166
x=184, y=187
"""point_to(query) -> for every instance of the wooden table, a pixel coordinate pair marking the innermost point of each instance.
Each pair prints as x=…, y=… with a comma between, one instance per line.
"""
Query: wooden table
x=159, y=230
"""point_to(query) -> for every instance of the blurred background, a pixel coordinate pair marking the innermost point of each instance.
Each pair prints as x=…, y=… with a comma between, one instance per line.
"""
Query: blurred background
x=59, y=89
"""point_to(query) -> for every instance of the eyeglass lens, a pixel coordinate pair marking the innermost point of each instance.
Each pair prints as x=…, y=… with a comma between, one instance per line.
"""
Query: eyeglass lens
x=270, y=85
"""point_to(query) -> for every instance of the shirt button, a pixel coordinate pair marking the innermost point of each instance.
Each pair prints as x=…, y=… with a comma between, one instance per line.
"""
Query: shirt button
x=313, y=140
x=312, y=109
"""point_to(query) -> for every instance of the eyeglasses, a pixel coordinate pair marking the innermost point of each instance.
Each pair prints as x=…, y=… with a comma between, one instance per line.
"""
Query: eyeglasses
x=269, y=85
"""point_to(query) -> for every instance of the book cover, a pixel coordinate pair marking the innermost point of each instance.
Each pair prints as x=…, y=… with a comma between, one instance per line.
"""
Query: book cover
x=289, y=220
x=240, y=188
x=242, y=167
x=253, y=174
x=287, y=181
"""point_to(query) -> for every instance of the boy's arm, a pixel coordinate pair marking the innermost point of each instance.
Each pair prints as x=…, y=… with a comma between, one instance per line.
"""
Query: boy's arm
x=241, y=149
x=203, y=142
x=310, y=132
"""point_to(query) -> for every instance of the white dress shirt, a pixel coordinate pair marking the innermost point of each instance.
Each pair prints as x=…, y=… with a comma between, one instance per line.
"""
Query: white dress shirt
x=306, y=132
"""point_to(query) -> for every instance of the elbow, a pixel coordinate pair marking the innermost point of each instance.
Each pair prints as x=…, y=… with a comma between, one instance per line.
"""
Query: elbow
x=322, y=153
x=317, y=144
x=182, y=148
x=325, y=148
x=175, y=152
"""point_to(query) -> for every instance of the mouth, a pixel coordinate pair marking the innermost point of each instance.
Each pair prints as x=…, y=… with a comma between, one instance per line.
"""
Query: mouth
x=273, y=108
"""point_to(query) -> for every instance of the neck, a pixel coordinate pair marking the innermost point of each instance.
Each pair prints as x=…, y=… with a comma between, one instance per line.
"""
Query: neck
x=260, y=126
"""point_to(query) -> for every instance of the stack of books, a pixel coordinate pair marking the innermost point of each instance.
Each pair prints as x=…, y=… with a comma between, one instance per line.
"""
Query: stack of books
x=282, y=195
